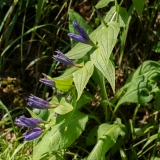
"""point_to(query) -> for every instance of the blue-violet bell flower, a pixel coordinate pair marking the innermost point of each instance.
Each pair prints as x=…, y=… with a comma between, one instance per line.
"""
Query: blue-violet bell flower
x=82, y=37
x=60, y=57
x=28, y=122
x=47, y=82
x=38, y=103
x=32, y=134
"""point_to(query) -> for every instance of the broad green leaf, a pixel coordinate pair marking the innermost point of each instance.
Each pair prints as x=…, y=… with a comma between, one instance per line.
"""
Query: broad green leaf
x=63, y=84
x=107, y=38
x=123, y=16
x=81, y=77
x=59, y=136
x=68, y=73
x=139, y=91
x=111, y=15
x=75, y=16
x=42, y=113
x=150, y=69
x=106, y=67
x=103, y=3
x=81, y=49
x=63, y=107
x=119, y=15
x=107, y=137
x=139, y=5
x=78, y=51
x=54, y=101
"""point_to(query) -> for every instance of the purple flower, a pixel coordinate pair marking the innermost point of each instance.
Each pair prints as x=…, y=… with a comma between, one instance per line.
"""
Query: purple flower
x=82, y=37
x=60, y=57
x=28, y=122
x=32, y=134
x=47, y=82
x=38, y=103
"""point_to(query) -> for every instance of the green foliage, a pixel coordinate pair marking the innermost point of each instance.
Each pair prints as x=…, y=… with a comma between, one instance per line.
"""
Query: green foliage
x=97, y=112
x=60, y=136
x=107, y=137
x=139, y=6
x=81, y=77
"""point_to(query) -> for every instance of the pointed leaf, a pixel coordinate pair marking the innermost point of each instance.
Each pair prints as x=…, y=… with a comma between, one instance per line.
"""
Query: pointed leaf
x=81, y=77
x=63, y=84
x=139, y=4
x=105, y=66
x=59, y=137
x=103, y=3
x=107, y=137
x=68, y=73
x=81, y=49
x=107, y=38
x=139, y=91
x=64, y=107
x=119, y=15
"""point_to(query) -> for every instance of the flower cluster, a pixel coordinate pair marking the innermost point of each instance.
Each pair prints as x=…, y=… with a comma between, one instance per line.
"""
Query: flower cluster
x=60, y=57
x=32, y=123
x=82, y=37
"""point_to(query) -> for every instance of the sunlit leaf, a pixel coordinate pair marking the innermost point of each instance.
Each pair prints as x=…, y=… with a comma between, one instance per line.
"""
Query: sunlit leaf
x=139, y=91
x=103, y=3
x=107, y=137
x=106, y=67
x=81, y=77
x=107, y=37
x=59, y=136
x=63, y=107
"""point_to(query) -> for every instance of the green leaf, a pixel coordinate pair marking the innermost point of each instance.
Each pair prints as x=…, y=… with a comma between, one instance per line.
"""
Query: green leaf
x=81, y=49
x=68, y=73
x=123, y=16
x=150, y=69
x=42, y=113
x=139, y=91
x=59, y=136
x=63, y=107
x=81, y=77
x=107, y=38
x=119, y=16
x=103, y=3
x=107, y=137
x=106, y=67
x=139, y=5
x=63, y=84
